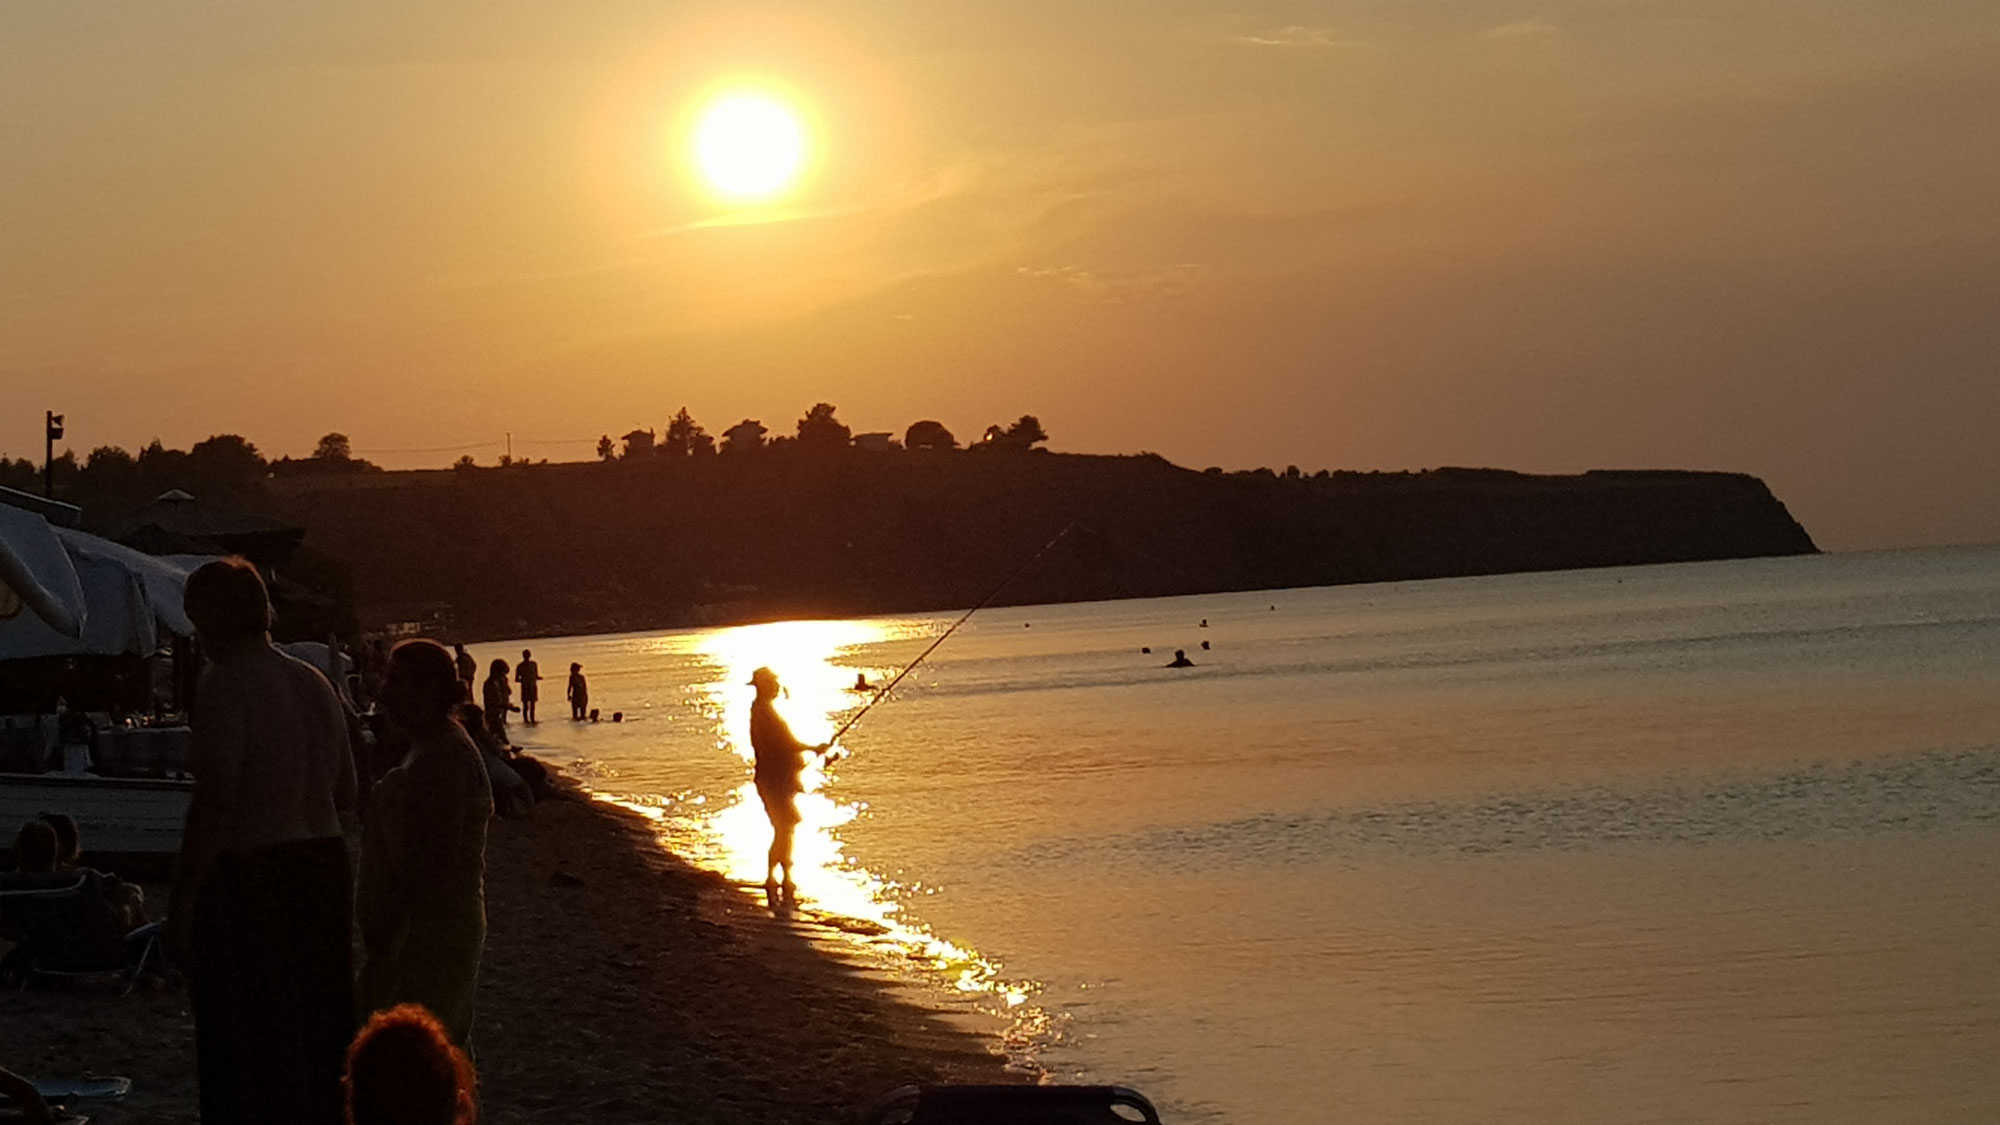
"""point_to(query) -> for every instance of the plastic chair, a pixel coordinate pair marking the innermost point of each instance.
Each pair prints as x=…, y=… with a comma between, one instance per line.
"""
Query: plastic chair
x=1013, y=1104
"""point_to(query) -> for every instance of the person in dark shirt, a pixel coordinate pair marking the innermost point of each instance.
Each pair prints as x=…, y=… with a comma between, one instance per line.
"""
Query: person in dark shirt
x=1180, y=659
x=781, y=760
x=529, y=675
x=579, y=693
x=68, y=921
x=468, y=669
x=129, y=898
x=499, y=697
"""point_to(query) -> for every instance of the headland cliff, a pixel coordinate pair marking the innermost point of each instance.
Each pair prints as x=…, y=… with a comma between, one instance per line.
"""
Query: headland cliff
x=542, y=548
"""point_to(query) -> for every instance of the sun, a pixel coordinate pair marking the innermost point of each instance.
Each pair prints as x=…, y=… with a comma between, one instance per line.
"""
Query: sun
x=750, y=146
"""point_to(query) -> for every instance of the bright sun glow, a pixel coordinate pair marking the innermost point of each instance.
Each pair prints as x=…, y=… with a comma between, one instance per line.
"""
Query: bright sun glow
x=750, y=146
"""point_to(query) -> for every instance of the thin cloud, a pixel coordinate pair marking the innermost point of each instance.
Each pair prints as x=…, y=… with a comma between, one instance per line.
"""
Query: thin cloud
x=1297, y=36
x=1179, y=280
x=757, y=217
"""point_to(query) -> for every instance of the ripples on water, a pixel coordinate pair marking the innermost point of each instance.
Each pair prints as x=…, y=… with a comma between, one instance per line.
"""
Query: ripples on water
x=1922, y=793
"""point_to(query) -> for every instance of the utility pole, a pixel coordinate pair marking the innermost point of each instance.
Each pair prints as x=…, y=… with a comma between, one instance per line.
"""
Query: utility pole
x=510, y=447
x=53, y=431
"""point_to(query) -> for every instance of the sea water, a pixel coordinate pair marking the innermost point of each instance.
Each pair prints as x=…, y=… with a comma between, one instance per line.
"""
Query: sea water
x=1714, y=842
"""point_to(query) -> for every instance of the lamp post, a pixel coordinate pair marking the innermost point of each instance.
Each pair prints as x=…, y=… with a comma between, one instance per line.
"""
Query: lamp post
x=53, y=431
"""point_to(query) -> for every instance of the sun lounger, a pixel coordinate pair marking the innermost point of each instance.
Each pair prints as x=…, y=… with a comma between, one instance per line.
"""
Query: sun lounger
x=1013, y=1105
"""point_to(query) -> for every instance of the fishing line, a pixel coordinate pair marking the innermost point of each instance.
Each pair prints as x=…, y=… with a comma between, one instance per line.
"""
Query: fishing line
x=967, y=616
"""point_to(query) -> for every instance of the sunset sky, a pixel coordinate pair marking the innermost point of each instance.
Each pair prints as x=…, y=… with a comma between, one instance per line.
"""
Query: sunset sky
x=1547, y=235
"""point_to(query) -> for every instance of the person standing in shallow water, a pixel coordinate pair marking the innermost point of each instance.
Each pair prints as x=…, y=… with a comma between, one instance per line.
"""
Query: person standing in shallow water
x=263, y=895
x=579, y=693
x=499, y=699
x=468, y=669
x=781, y=760
x=529, y=675
x=421, y=894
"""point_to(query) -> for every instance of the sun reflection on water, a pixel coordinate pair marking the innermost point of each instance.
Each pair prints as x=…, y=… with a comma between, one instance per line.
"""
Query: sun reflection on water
x=816, y=662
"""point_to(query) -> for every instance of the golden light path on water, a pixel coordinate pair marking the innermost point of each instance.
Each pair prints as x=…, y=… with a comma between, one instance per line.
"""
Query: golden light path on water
x=816, y=664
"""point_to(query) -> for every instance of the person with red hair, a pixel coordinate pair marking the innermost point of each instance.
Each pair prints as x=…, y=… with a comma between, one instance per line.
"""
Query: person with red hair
x=403, y=1069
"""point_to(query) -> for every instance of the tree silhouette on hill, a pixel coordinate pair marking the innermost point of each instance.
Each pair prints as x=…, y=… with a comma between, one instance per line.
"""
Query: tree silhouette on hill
x=743, y=436
x=820, y=429
x=928, y=435
x=1022, y=436
x=685, y=437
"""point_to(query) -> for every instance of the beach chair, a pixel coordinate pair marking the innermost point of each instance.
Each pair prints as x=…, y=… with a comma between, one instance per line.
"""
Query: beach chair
x=1013, y=1105
x=66, y=935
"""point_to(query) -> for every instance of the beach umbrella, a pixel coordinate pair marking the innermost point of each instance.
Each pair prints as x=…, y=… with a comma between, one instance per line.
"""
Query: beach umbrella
x=36, y=574
x=162, y=580
x=116, y=600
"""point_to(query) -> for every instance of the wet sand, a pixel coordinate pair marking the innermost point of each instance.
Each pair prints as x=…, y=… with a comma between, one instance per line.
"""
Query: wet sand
x=620, y=985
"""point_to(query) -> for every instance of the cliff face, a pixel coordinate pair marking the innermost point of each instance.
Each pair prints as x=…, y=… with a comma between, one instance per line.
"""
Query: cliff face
x=795, y=531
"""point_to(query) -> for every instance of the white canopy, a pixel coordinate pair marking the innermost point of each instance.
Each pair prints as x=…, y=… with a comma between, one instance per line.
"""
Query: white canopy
x=37, y=570
x=90, y=596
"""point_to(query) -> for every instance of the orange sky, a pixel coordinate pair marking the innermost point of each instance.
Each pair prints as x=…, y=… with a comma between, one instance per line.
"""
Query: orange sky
x=1550, y=236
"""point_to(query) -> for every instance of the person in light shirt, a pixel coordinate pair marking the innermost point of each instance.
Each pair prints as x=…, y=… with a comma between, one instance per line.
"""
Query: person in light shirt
x=262, y=902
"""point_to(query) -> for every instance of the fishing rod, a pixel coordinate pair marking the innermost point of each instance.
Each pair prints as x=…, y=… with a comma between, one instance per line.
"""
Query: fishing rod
x=967, y=616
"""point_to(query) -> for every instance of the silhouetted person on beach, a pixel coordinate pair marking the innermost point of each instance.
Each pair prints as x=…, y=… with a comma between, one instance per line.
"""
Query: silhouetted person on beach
x=498, y=696
x=77, y=926
x=403, y=1069
x=262, y=903
x=781, y=759
x=512, y=795
x=1180, y=659
x=421, y=894
x=861, y=682
x=579, y=694
x=529, y=675
x=129, y=898
x=468, y=670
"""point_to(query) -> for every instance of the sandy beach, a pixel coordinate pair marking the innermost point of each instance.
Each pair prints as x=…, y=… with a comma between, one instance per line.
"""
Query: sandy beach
x=620, y=984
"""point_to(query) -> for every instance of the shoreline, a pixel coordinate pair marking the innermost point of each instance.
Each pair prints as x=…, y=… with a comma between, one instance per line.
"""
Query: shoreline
x=620, y=982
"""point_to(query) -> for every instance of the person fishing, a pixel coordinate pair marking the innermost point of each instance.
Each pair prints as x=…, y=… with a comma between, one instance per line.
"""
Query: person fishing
x=781, y=757
x=781, y=760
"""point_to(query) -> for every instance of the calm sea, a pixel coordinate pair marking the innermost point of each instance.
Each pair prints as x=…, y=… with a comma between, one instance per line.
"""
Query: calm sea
x=1701, y=843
